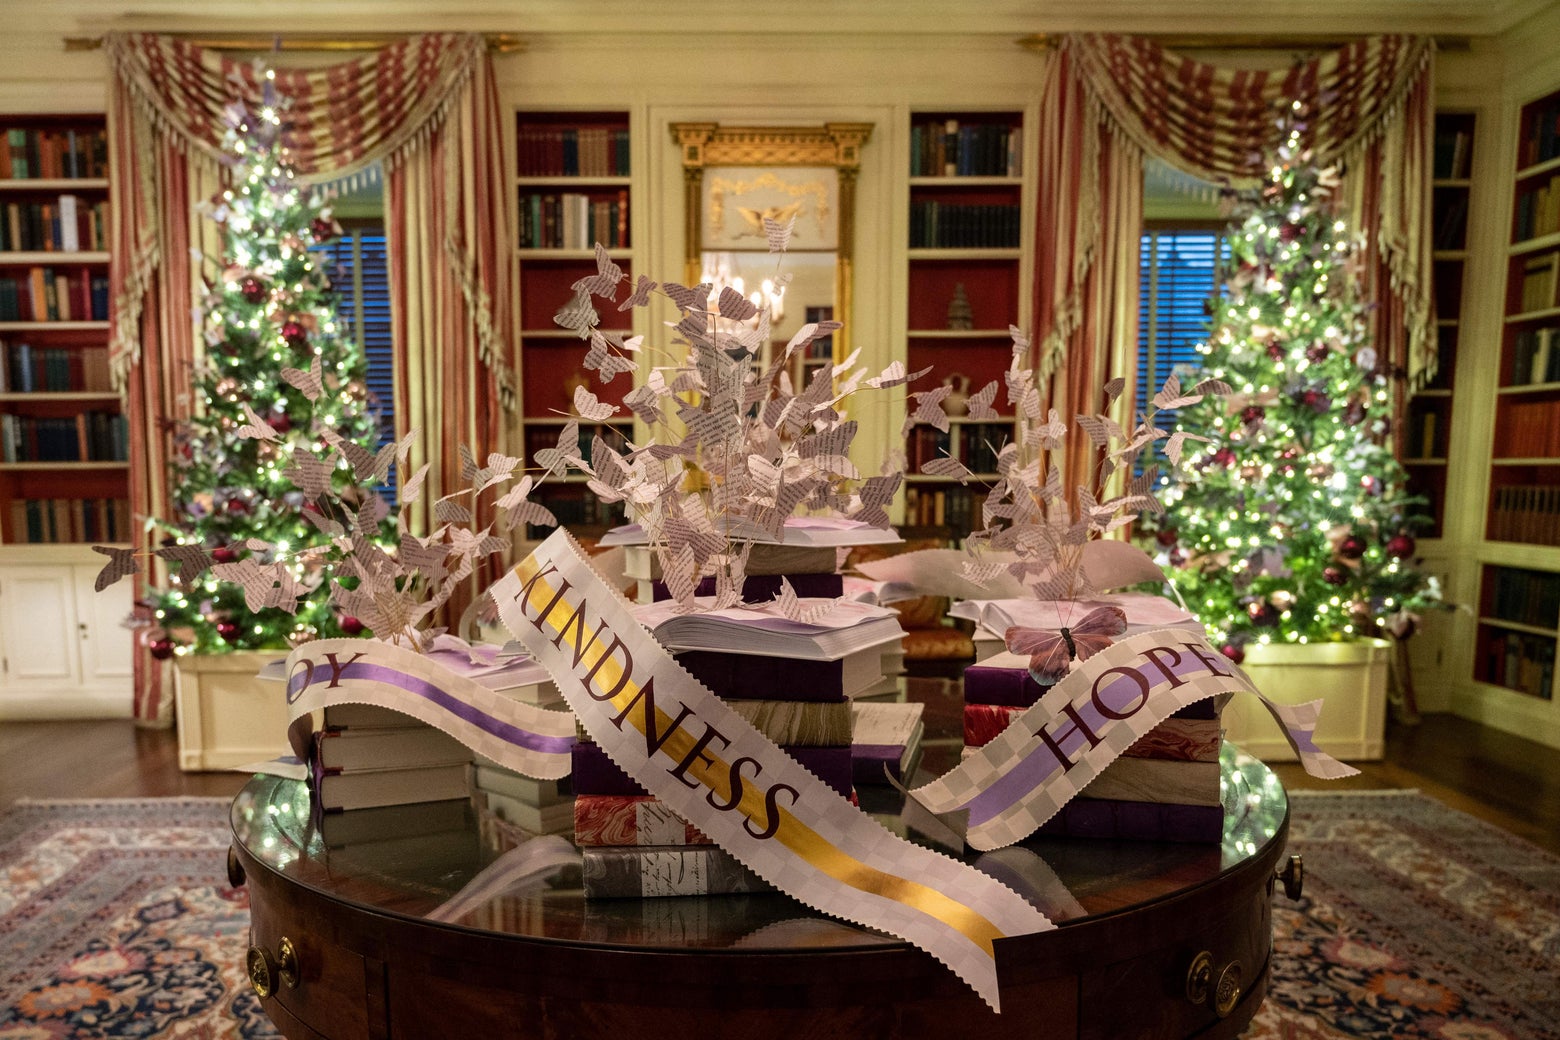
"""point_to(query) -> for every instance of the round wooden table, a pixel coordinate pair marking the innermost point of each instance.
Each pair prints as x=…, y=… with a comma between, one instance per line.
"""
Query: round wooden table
x=1154, y=939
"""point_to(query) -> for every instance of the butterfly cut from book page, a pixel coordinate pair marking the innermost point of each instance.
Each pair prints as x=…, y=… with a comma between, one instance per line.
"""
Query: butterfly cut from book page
x=1052, y=651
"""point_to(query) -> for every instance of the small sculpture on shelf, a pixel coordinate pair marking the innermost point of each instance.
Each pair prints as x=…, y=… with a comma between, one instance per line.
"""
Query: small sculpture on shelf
x=960, y=317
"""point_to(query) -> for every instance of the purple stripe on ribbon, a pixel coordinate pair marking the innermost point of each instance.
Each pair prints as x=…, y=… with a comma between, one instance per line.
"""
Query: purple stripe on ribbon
x=419, y=687
x=1037, y=767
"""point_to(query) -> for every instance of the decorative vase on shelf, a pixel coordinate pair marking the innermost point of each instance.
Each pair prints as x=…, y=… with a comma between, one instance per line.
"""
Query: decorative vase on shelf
x=960, y=317
x=958, y=401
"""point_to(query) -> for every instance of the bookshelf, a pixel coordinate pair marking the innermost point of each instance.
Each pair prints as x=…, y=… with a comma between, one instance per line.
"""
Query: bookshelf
x=1428, y=419
x=64, y=449
x=573, y=189
x=965, y=253
x=64, y=474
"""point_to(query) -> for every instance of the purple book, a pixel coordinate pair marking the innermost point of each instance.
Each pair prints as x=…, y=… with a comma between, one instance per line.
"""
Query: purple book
x=1014, y=687
x=760, y=588
x=1136, y=821
x=595, y=773
x=747, y=677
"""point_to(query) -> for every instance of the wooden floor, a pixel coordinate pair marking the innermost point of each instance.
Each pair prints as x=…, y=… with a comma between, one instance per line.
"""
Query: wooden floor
x=1511, y=782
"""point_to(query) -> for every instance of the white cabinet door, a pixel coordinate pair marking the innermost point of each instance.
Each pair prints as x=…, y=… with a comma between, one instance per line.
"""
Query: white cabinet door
x=39, y=627
x=106, y=645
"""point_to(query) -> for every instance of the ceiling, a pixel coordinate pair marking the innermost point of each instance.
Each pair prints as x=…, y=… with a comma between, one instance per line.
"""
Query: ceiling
x=1196, y=18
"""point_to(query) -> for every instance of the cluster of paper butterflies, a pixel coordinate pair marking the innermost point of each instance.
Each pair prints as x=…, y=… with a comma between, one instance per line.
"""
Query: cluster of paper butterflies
x=734, y=448
x=1033, y=525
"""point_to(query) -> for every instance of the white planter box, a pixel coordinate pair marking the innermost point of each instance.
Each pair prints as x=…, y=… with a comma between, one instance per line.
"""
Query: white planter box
x=1350, y=679
x=226, y=716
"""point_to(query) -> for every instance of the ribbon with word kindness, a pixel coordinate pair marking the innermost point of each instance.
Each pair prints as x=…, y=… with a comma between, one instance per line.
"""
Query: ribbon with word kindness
x=1045, y=756
x=524, y=737
x=688, y=748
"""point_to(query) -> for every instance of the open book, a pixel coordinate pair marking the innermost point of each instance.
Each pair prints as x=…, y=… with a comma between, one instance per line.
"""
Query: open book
x=799, y=530
x=844, y=629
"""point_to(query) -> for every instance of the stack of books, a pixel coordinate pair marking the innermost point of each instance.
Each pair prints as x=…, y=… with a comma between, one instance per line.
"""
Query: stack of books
x=503, y=796
x=367, y=756
x=794, y=682
x=1165, y=787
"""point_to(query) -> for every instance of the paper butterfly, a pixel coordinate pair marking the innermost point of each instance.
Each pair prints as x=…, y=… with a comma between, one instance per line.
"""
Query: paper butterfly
x=1051, y=653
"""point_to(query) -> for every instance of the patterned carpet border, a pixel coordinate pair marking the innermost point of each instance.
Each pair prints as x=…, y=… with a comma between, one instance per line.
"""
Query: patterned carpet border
x=1417, y=921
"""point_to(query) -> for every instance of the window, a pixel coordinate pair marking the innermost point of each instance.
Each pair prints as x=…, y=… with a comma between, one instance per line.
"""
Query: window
x=1179, y=273
x=358, y=266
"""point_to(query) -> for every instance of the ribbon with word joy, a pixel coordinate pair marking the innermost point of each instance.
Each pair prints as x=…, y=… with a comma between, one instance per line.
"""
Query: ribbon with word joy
x=1013, y=784
x=689, y=749
x=524, y=737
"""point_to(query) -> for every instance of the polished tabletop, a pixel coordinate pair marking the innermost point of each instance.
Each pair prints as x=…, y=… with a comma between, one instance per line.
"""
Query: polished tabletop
x=421, y=861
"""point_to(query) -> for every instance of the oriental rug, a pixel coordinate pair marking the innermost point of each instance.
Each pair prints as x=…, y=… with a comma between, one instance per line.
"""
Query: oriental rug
x=1417, y=921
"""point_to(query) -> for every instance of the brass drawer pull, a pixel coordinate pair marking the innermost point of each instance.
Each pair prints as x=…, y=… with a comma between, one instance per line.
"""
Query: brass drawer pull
x=1293, y=877
x=266, y=971
x=1224, y=987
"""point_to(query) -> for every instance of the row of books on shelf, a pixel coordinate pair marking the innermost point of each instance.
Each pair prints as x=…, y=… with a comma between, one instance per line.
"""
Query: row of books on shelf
x=1535, y=356
x=1528, y=513
x=573, y=221
x=577, y=507
x=1524, y=596
x=1527, y=429
x=1540, y=288
x=29, y=153
x=1452, y=153
x=67, y=225
x=1538, y=210
x=614, y=437
x=947, y=148
x=85, y=437
x=956, y=506
x=1521, y=662
x=25, y=368
x=1424, y=432
x=974, y=444
x=571, y=152
x=48, y=294
x=1540, y=140
x=1451, y=222
x=56, y=520
x=948, y=225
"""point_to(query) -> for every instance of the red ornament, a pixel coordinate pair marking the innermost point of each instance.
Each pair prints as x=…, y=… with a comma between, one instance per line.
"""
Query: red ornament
x=1224, y=457
x=1334, y=575
x=1252, y=413
x=228, y=630
x=1166, y=536
x=1288, y=231
x=294, y=333
x=1351, y=548
x=1262, y=613
x=281, y=422
x=323, y=230
x=237, y=506
x=351, y=625
x=162, y=649
x=252, y=289
x=224, y=554
x=1317, y=353
x=1275, y=350
x=1400, y=546
x=1234, y=651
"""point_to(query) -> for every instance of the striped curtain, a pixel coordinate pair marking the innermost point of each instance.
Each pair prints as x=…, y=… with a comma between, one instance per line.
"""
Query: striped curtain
x=427, y=109
x=1371, y=111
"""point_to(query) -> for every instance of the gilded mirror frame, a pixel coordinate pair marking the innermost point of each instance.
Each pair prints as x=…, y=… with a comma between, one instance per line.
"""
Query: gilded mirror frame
x=837, y=145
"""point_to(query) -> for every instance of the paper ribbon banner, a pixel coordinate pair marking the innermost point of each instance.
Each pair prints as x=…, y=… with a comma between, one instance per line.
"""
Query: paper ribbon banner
x=689, y=749
x=524, y=737
x=1001, y=794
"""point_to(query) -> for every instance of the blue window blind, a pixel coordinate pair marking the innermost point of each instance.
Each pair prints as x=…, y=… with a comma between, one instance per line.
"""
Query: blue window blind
x=1178, y=274
x=358, y=265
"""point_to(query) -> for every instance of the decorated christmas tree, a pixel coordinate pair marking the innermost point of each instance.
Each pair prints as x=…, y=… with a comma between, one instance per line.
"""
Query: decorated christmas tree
x=1293, y=526
x=268, y=318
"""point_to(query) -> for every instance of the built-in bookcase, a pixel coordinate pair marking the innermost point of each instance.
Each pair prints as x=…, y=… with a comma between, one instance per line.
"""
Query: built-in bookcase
x=966, y=259
x=64, y=446
x=573, y=189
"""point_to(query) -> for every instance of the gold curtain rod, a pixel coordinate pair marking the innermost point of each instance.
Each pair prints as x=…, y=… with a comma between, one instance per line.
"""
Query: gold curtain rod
x=499, y=43
x=1048, y=41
